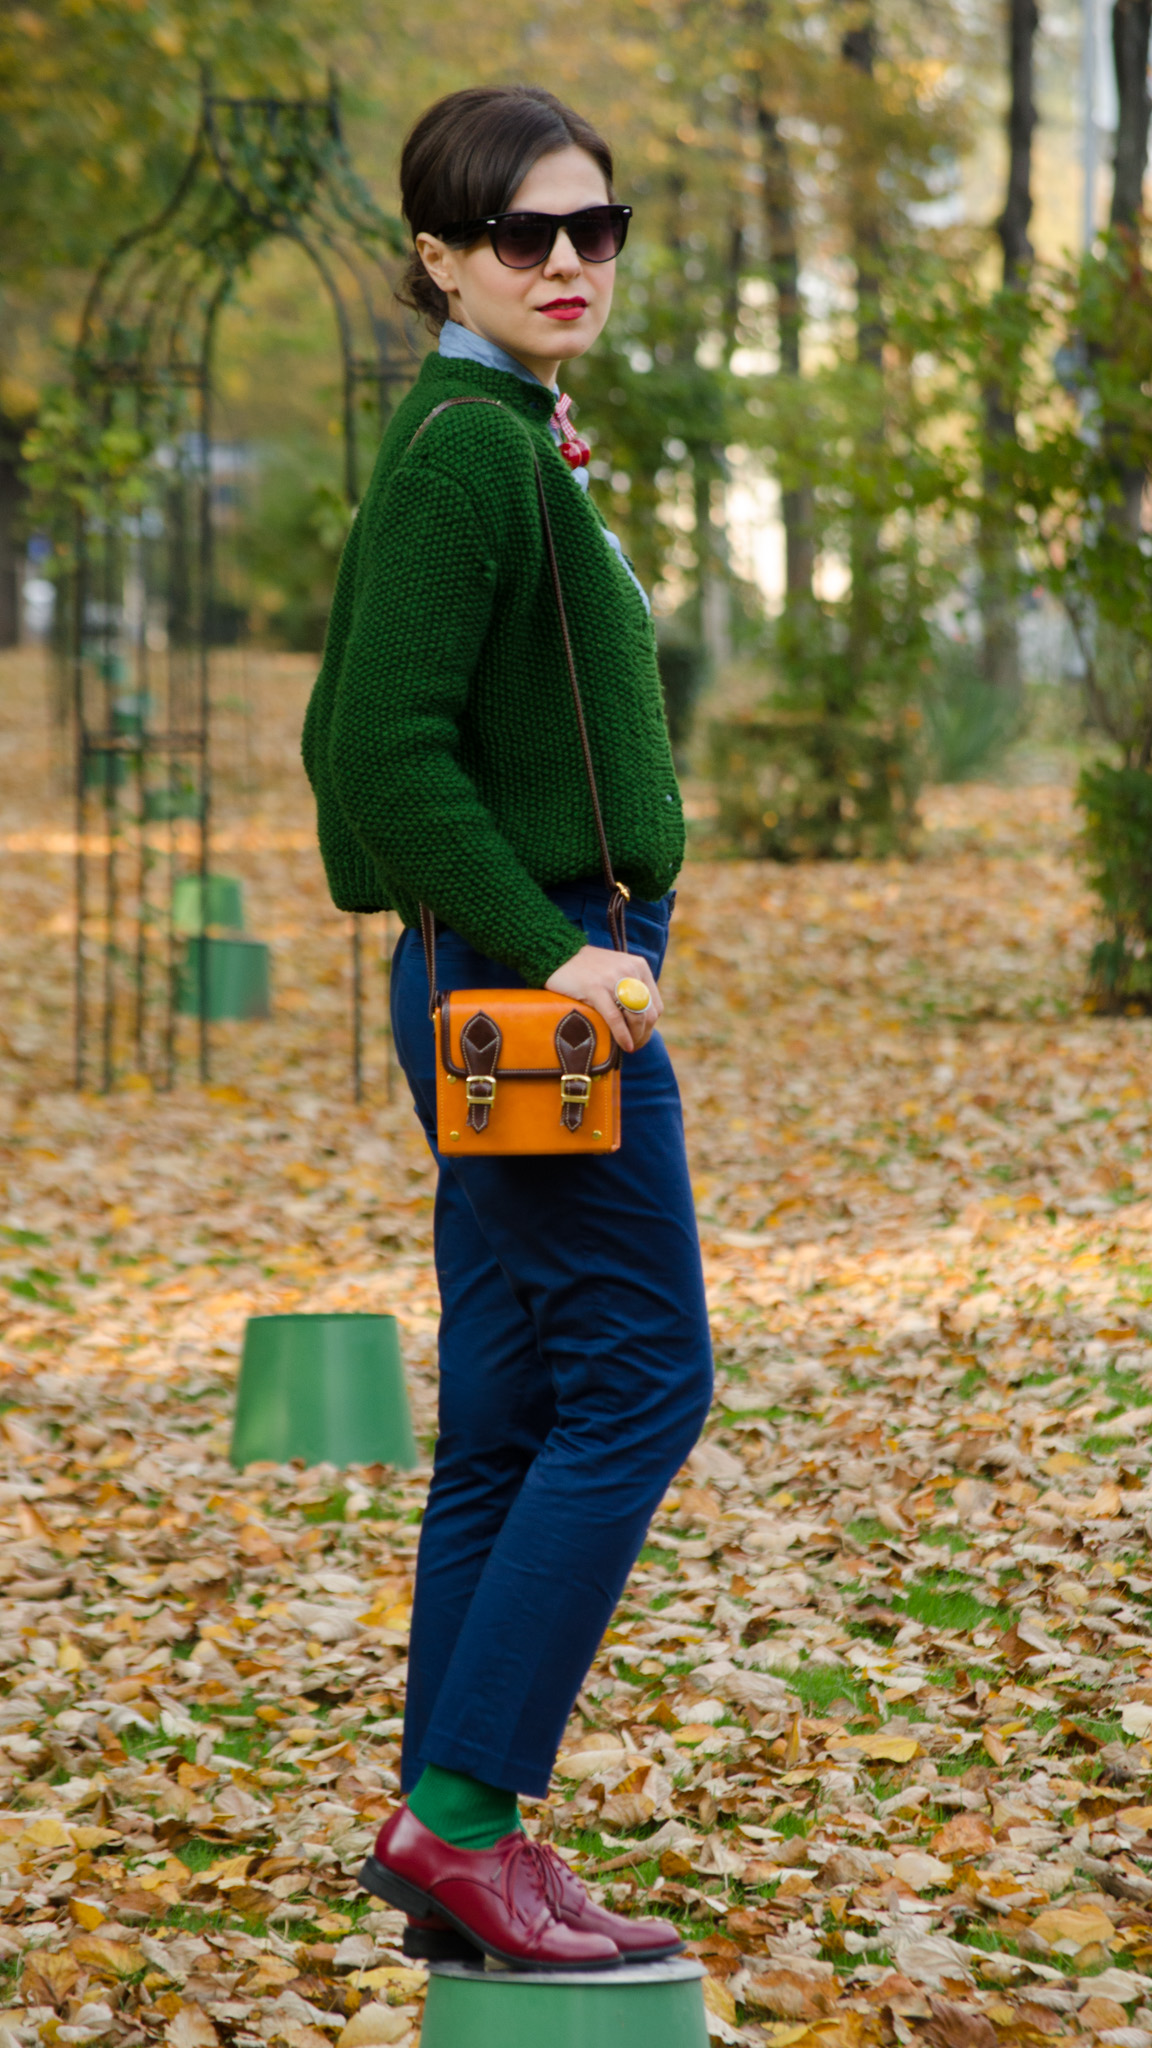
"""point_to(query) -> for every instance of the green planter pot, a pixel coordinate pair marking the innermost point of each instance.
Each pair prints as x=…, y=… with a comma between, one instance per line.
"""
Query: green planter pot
x=645, y=2005
x=328, y=1389
x=130, y=713
x=238, y=979
x=105, y=770
x=181, y=802
x=225, y=903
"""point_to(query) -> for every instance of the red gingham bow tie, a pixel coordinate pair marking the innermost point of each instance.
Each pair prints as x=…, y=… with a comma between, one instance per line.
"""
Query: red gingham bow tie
x=575, y=451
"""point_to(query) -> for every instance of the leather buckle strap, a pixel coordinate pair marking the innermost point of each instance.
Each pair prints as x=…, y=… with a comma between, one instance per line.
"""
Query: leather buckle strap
x=428, y=934
x=480, y=1043
x=576, y=1045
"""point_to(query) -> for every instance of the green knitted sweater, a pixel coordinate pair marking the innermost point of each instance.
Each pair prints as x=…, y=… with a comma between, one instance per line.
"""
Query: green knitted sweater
x=441, y=738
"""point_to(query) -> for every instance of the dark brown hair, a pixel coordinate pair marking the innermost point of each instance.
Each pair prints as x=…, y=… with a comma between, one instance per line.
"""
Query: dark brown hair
x=466, y=157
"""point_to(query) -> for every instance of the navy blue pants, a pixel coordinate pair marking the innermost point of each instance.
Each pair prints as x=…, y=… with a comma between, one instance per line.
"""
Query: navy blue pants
x=575, y=1376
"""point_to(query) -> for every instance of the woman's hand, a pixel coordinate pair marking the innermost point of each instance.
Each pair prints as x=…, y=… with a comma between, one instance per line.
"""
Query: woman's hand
x=591, y=977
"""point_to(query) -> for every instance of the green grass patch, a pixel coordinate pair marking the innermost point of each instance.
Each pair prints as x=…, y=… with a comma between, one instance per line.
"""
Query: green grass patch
x=868, y=1529
x=1101, y=1445
x=652, y=1554
x=1105, y=1731
x=946, y=1539
x=819, y=1684
x=330, y=1509
x=196, y=1854
x=791, y=1824
x=948, y=1607
x=139, y=1741
x=970, y=1383
x=1124, y=1389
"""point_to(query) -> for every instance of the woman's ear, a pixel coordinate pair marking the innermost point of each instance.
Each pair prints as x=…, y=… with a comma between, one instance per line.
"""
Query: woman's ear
x=439, y=261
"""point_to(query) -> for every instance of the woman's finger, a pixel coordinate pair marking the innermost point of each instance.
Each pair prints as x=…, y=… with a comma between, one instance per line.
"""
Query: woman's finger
x=614, y=1018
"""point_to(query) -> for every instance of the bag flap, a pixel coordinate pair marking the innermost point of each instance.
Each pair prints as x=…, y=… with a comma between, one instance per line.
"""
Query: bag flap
x=527, y=1020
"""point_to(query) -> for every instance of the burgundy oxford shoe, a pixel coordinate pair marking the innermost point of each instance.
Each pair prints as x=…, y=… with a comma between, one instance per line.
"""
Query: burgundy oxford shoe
x=639, y=1941
x=500, y=1898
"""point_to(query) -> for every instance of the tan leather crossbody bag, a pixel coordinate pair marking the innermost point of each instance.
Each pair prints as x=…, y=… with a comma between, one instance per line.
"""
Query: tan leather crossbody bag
x=520, y=1070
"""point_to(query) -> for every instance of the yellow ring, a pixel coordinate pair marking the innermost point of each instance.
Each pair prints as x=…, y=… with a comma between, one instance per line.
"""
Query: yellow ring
x=632, y=995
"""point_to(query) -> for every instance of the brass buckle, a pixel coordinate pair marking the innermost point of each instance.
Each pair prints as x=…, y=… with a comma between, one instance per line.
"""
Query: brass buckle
x=576, y=1088
x=480, y=1089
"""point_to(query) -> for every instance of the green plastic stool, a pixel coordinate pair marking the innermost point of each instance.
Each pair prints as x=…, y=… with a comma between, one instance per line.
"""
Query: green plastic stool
x=238, y=978
x=643, y=2005
x=225, y=896
x=329, y=1389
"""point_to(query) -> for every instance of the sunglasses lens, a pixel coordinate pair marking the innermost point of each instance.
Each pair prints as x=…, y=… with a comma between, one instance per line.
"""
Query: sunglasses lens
x=598, y=235
x=522, y=240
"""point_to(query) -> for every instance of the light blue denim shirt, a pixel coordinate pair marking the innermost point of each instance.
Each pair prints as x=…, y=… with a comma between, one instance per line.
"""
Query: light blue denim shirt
x=460, y=342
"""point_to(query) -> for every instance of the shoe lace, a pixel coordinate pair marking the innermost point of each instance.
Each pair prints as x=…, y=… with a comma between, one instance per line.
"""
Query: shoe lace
x=526, y=1859
x=559, y=1882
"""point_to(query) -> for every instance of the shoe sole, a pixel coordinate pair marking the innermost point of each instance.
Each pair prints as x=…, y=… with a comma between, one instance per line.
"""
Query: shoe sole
x=443, y=1945
x=386, y=1884
x=440, y=1945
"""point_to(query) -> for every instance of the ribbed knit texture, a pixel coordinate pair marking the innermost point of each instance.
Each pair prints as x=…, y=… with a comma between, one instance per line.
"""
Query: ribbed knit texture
x=441, y=737
x=463, y=1811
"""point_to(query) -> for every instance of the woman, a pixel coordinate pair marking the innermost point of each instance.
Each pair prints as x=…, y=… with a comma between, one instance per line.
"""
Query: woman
x=575, y=1366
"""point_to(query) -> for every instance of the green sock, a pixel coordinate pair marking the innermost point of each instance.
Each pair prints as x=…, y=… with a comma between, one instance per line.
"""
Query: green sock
x=461, y=1810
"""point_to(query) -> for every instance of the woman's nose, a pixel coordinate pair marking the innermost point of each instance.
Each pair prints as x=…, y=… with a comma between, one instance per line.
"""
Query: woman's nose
x=563, y=262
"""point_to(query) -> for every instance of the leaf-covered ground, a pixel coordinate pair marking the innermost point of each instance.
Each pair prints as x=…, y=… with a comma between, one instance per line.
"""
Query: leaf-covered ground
x=874, y=1720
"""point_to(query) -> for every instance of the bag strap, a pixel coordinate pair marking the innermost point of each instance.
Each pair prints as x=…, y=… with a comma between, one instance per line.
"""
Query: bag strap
x=618, y=892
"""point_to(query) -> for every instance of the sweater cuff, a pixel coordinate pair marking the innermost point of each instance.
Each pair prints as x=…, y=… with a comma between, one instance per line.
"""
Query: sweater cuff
x=549, y=952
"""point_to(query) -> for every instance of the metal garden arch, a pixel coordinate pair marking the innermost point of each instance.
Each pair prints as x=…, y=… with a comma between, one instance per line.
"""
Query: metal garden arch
x=141, y=610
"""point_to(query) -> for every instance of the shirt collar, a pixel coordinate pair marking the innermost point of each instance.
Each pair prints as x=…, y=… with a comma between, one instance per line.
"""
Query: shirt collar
x=460, y=343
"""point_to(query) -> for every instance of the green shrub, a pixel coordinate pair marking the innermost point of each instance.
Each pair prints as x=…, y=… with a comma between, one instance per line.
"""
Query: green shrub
x=287, y=545
x=968, y=721
x=807, y=785
x=1117, y=840
x=683, y=672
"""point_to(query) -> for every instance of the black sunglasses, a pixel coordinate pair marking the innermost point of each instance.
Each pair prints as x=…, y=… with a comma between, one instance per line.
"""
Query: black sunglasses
x=523, y=240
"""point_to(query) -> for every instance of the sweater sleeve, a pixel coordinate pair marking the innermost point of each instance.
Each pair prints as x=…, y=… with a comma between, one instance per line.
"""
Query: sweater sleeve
x=427, y=581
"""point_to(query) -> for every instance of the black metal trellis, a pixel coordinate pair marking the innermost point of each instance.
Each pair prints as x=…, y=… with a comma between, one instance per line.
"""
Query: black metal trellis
x=142, y=616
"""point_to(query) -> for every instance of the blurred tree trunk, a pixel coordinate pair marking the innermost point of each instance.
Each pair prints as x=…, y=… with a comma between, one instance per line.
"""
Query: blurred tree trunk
x=784, y=275
x=783, y=265
x=858, y=48
x=11, y=499
x=1131, y=26
x=997, y=535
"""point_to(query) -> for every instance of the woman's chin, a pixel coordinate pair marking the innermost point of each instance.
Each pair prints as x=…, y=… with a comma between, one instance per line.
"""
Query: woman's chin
x=568, y=338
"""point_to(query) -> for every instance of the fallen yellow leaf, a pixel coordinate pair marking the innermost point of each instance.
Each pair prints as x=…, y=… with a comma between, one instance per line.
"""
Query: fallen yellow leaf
x=86, y=1913
x=1071, y=1928
x=718, y=1999
x=48, y=1833
x=997, y=1748
x=390, y=1974
x=892, y=1749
